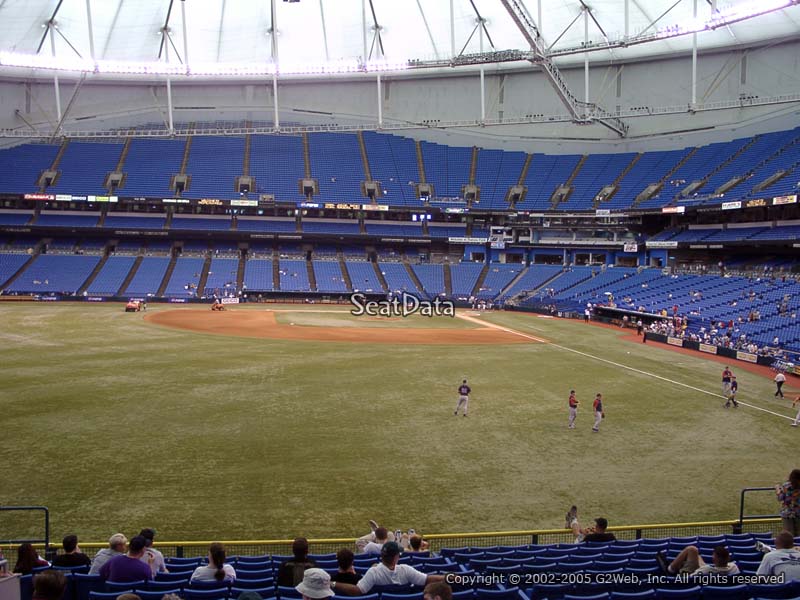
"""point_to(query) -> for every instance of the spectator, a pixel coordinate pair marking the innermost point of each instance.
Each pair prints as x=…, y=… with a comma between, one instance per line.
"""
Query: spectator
x=49, y=585
x=72, y=557
x=375, y=546
x=417, y=544
x=128, y=567
x=387, y=572
x=783, y=560
x=152, y=557
x=217, y=568
x=690, y=561
x=316, y=584
x=346, y=572
x=788, y=494
x=28, y=559
x=596, y=533
x=437, y=591
x=290, y=573
x=117, y=544
x=129, y=596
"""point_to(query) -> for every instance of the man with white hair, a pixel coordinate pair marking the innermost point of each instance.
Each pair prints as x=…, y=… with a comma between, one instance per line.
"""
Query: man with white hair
x=117, y=544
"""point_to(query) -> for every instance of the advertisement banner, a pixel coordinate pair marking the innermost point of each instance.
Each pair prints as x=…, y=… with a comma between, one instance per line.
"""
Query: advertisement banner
x=673, y=341
x=343, y=206
x=230, y=301
x=467, y=240
x=244, y=202
x=630, y=247
x=210, y=202
x=708, y=348
x=755, y=203
x=747, y=357
x=63, y=198
x=377, y=207
x=39, y=197
x=673, y=210
x=168, y=200
x=784, y=200
x=731, y=205
x=602, y=212
x=658, y=244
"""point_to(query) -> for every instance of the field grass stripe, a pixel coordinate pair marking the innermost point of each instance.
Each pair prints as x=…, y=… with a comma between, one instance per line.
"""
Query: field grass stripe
x=501, y=328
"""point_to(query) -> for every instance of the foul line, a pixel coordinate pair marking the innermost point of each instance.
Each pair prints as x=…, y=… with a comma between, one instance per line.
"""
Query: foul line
x=621, y=366
x=506, y=329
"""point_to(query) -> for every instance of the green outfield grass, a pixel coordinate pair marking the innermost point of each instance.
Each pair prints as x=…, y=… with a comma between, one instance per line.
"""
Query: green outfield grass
x=115, y=424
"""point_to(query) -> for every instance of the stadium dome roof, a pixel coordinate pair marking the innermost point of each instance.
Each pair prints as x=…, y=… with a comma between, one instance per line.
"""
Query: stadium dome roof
x=316, y=31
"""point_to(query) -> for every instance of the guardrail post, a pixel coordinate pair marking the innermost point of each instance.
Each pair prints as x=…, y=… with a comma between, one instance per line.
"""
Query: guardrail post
x=179, y=551
x=638, y=534
x=535, y=539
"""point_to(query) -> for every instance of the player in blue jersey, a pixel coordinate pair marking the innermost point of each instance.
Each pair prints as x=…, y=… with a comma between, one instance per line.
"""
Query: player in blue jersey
x=463, y=397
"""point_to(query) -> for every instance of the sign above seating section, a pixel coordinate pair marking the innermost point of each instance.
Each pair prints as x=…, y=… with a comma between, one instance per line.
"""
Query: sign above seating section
x=784, y=200
x=69, y=198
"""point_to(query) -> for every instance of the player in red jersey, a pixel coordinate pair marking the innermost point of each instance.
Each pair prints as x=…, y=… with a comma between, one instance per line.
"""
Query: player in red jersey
x=726, y=381
x=599, y=413
x=573, y=409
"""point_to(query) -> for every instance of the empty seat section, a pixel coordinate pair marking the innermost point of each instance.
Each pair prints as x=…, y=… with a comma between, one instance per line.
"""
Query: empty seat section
x=214, y=164
x=67, y=220
x=464, y=276
x=200, y=223
x=127, y=222
x=258, y=275
x=15, y=218
x=10, y=264
x=336, y=227
x=21, y=166
x=534, y=277
x=363, y=277
x=185, y=277
x=277, y=164
x=598, y=170
x=294, y=276
x=397, y=278
x=339, y=179
x=221, y=276
x=111, y=276
x=266, y=225
x=447, y=168
x=59, y=273
x=329, y=276
x=150, y=165
x=393, y=162
x=431, y=277
x=84, y=166
x=545, y=174
x=649, y=169
x=498, y=277
x=496, y=172
x=148, y=277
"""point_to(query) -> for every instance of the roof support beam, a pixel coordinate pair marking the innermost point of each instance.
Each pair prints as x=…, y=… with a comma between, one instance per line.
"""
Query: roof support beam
x=324, y=30
x=185, y=35
x=581, y=112
x=49, y=24
x=91, y=31
x=428, y=29
x=377, y=37
x=165, y=27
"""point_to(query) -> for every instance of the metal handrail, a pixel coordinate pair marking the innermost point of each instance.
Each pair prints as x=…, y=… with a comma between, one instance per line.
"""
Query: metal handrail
x=743, y=517
x=46, y=511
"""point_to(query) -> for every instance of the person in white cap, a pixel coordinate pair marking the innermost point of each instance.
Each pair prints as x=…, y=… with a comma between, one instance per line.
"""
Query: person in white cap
x=316, y=585
x=117, y=544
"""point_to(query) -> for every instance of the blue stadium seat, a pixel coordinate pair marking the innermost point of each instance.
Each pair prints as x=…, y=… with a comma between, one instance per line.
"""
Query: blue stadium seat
x=549, y=591
x=217, y=594
x=288, y=592
x=253, y=584
x=87, y=583
x=778, y=591
x=157, y=595
x=160, y=586
x=109, y=595
x=208, y=584
x=507, y=594
x=174, y=576
x=692, y=593
x=120, y=586
x=413, y=596
x=726, y=592
x=643, y=595
x=601, y=596
x=266, y=593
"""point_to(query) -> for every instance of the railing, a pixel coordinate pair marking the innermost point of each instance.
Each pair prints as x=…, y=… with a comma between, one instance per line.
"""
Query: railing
x=459, y=540
x=45, y=542
x=743, y=517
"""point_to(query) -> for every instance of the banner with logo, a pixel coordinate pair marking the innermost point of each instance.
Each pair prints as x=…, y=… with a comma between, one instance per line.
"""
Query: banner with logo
x=708, y=348
x=747, y=357
x=673, y=341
